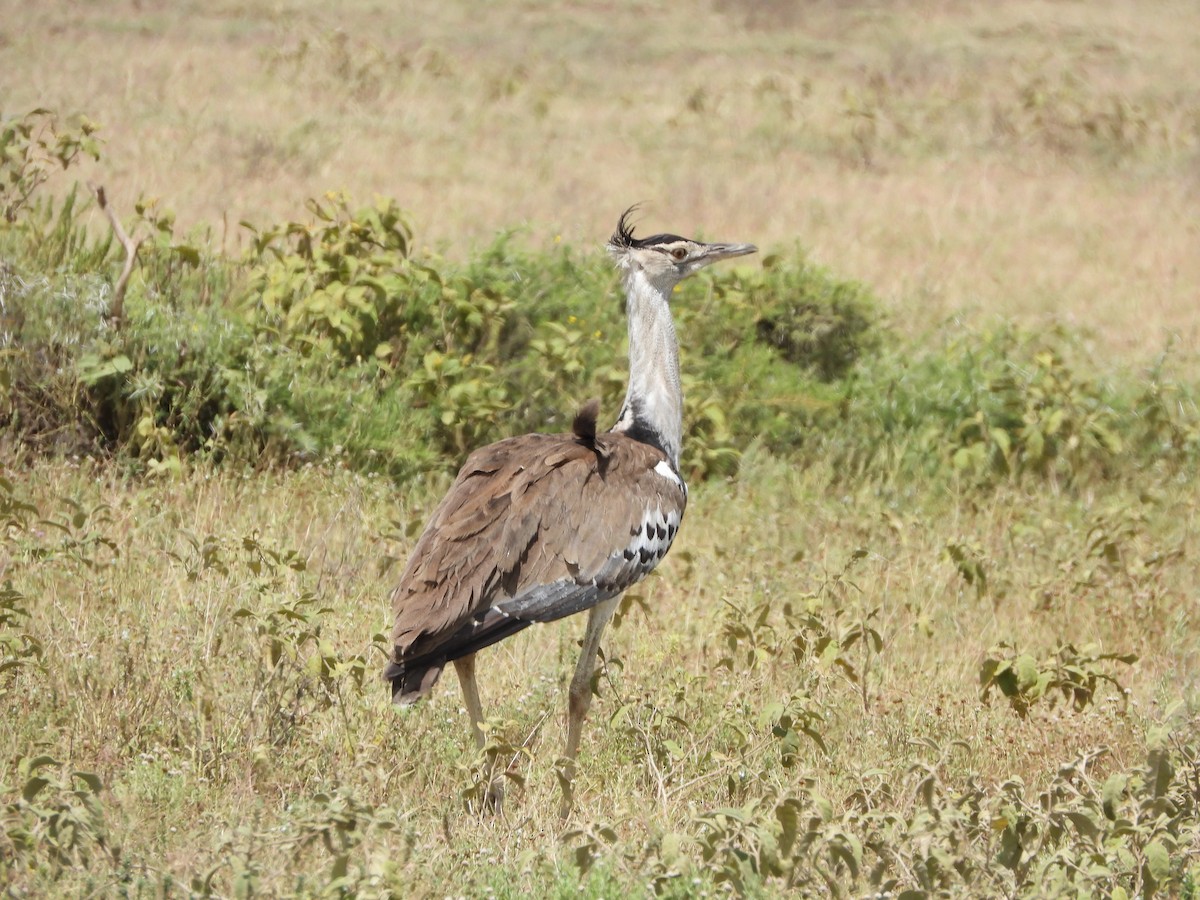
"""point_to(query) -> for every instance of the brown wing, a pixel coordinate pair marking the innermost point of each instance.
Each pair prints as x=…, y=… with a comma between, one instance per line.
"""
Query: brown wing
x=534, y=528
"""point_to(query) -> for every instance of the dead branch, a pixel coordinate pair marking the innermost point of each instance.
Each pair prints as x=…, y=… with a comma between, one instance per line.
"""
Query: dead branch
x=116, y=310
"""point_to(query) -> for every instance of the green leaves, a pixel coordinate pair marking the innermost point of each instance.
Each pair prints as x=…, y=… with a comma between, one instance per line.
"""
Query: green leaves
x=1038, y=414
x=799, y=715
x=57, y=821
x=815, y=321
x=18, y=647
x=94, y=369
x=970, y=561
x=341, y=284
x=1071, y=673
x=958, y=839
x=32, y=147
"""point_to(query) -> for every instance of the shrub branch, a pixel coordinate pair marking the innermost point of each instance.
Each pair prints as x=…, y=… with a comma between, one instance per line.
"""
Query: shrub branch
x=117, y=310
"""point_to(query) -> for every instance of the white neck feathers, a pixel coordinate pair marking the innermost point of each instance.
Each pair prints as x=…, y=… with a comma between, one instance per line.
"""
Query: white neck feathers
x=653, y=408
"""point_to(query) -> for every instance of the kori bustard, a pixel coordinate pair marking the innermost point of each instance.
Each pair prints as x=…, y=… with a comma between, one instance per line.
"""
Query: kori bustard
x=541, y=526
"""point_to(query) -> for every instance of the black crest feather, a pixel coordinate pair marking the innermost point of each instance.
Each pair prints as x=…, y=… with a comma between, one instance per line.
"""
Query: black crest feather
x=623, y=236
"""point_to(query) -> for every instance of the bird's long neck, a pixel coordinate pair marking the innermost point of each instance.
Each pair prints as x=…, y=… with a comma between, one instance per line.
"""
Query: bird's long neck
x=653, y=408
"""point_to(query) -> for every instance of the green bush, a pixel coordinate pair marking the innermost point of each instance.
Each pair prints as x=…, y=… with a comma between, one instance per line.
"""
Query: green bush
x=815, y=321
x=767, y=353
x=1002, y=404
x=342, y=285
x=328, y=340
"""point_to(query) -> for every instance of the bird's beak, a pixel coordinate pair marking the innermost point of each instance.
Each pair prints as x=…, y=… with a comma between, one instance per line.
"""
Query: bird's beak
x=715, y=252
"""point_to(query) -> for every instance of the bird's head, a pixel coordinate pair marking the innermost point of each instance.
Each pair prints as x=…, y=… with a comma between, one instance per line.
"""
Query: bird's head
x=665, y=259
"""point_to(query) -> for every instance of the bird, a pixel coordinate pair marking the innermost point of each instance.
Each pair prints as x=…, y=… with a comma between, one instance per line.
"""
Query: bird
x=542, y=526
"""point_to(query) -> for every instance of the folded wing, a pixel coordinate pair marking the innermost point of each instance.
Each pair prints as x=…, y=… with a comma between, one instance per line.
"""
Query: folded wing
x=534, y=528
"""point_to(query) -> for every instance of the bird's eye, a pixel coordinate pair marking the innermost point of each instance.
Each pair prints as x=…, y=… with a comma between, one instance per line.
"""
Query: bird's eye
x=679, y=254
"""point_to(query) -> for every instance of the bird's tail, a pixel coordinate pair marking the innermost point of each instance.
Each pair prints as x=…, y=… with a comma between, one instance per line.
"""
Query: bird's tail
x=415, y=676
x=410, y=684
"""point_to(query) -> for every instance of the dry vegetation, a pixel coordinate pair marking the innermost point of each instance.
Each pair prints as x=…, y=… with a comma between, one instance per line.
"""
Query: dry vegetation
x=852, y=675
x=243, y=748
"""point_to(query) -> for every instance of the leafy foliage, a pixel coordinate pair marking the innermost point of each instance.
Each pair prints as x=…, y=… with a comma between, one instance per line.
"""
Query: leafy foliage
x=56, y=822
x=330, y=340
x=32, y=146
x=1126, y=835
x=999, y=405
x=17, y=647
x=815, y=321
x=337, y=286
x=260, y=356
x=1075, y=674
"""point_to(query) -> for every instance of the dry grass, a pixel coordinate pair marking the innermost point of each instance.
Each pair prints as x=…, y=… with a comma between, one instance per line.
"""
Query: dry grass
x=154, y=683
x=1035, y=159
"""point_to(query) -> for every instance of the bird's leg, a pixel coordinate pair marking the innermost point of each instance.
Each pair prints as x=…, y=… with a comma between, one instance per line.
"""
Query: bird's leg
x=580, y=694
x=465, y=667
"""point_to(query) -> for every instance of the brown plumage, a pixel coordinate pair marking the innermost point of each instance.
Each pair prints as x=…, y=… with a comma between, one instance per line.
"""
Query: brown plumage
x=534, y=528
x=545, y=525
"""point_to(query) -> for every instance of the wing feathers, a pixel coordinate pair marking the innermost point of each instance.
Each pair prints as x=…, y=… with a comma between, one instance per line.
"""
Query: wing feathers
x=548, y=602
x=533, y=529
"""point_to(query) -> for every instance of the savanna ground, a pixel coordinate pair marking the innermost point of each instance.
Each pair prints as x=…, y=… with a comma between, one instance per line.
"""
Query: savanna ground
x=931, y=622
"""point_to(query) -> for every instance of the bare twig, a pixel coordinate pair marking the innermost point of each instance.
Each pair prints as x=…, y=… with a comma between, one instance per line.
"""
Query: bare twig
x=116, y=311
